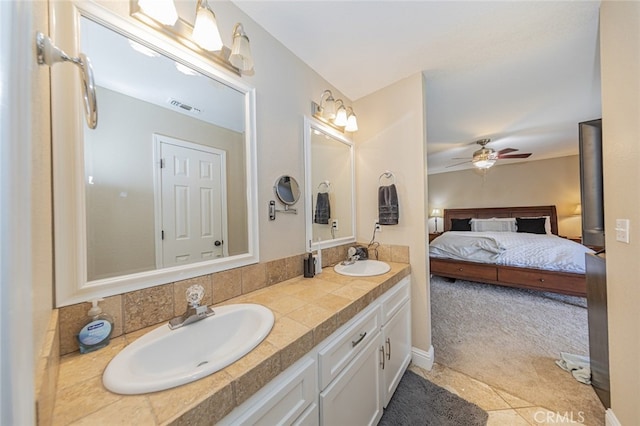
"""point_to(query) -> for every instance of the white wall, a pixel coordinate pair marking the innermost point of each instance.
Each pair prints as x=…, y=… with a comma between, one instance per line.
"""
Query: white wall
x=392, y=137
x=26, y=259
x=620, y=59
x=534, y=183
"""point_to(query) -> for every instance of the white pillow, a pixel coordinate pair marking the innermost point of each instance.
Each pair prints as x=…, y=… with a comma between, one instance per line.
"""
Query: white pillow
x=495, y=224
x=547, y=222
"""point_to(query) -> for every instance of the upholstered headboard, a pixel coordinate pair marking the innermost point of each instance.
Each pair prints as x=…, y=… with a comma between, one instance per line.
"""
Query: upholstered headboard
x=489, y=212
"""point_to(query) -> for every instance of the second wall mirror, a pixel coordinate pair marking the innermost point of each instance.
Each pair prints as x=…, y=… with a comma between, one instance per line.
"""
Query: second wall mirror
x=330, y=184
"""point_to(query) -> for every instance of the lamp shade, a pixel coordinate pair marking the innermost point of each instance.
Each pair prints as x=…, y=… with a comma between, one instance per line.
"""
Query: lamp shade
x=241, y=51
x=341, y=116
x=437, y=212
x=205, y=31
x=352, y=123
x=163, y=11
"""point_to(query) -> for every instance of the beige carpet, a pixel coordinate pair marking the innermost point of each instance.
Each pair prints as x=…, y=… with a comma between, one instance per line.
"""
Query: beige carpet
x=510, y=339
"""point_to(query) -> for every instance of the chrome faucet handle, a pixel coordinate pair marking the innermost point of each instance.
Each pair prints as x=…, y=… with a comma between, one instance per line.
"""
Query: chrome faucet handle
x=351, y=252
x=194, y=293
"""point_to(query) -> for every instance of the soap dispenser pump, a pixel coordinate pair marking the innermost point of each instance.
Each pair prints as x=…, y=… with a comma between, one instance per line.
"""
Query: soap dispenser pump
x=97, y=331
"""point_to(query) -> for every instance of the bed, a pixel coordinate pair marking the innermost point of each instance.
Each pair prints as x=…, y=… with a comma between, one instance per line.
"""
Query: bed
x=556, y=277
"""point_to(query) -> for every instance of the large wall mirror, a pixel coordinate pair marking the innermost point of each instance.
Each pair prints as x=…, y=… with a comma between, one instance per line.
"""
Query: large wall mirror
x=330, y=184
x=164, y=188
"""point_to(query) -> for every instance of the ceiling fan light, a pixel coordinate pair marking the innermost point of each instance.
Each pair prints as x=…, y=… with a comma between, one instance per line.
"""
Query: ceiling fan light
x=483, y=163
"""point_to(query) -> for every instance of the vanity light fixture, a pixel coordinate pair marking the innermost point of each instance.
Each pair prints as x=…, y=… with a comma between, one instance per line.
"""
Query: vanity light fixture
x=163, y=11
x=334, y=113
x=327, y=107
x=240, y=50
x=205, y=30
x=341, y=115
x=203, y=37
x=352, y=122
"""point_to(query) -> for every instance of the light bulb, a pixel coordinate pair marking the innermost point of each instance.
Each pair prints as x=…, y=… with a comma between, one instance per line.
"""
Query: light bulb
x=163, y=11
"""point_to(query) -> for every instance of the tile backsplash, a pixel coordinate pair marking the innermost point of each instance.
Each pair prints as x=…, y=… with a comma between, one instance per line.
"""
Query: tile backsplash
x=143, y=308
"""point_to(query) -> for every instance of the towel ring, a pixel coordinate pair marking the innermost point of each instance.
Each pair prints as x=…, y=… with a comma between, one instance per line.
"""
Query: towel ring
x=388, y=175
x=326, y=184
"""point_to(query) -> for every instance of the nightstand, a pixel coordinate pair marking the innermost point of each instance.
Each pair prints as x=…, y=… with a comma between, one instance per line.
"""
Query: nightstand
x=433, y=235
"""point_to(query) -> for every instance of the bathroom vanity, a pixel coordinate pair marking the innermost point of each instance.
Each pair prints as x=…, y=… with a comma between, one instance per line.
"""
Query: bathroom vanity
x=335, y=339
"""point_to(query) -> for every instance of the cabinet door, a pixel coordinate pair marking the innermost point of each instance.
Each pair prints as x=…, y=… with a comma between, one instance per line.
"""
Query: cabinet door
x=353, y=398
x=396, y=335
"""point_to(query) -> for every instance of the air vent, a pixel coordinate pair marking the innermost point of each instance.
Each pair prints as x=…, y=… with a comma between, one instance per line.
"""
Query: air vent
x=184, y=107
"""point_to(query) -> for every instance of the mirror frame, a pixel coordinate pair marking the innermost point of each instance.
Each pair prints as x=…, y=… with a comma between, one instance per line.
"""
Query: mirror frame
x=311, y=124
x=67, y=119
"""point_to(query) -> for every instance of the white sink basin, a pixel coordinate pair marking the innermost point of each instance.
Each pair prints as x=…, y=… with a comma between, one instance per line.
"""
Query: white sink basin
x=363, y=268
x=164, y=358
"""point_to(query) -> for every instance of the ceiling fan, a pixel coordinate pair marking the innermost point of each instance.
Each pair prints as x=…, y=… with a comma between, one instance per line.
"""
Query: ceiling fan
x=485, y=157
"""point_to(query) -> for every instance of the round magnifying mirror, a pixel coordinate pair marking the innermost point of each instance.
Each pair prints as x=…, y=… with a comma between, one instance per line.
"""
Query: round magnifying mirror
x=287, y=190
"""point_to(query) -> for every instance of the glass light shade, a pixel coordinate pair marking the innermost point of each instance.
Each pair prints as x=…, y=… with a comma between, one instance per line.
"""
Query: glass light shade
x=205, y=31
x=241, y=50
x=327, y=106
x=341, y=117
x=484, y=163
x=163, y=11
x=241, y=54
x=352, y=123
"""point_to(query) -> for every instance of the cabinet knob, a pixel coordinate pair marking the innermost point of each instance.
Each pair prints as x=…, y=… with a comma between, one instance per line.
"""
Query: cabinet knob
x=541, y=280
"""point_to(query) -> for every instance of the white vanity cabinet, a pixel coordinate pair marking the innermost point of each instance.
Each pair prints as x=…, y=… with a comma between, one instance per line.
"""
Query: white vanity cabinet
x=345, y=380
x=396, y=338
x=367, y=381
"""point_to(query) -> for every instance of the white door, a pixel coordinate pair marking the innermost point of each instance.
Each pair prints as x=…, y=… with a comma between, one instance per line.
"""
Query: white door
x=193, y=202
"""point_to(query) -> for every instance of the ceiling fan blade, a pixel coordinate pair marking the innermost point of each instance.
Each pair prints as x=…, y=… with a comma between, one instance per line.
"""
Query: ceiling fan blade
x=507, y=150
x=526, y=155
x=457, y=164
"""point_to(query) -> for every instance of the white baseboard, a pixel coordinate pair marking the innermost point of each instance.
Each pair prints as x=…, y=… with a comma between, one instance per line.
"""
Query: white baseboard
x=610, y=419
x=423, y=359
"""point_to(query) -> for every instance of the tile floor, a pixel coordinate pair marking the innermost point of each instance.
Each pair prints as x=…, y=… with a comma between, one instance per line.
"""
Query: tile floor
x=503, y=409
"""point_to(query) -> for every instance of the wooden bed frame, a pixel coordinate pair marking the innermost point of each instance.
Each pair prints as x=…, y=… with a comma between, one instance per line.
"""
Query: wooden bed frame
x=510, y=276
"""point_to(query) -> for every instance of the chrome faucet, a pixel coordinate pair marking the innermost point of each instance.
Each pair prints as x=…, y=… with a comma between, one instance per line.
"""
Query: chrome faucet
x=194, y=311
x=352, y=257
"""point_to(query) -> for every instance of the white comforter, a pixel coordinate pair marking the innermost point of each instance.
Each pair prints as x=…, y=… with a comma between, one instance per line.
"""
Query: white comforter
x=548, y=252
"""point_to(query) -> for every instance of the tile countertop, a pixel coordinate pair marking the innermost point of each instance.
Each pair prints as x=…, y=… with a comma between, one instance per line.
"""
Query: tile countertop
x=306, y=311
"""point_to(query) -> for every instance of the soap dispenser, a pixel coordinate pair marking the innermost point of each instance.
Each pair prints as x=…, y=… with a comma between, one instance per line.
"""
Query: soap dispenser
x=97, y=331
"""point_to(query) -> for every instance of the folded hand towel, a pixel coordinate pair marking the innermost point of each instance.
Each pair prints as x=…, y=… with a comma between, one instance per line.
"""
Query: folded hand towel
x=388, y=209
x=323, y=209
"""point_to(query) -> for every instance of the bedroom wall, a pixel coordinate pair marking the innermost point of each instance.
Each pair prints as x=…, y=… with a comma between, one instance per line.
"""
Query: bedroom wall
x=620, y=50
x=544, y=182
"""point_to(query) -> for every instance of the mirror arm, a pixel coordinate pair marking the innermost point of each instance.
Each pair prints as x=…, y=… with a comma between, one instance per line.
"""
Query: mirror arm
x=273, y=210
